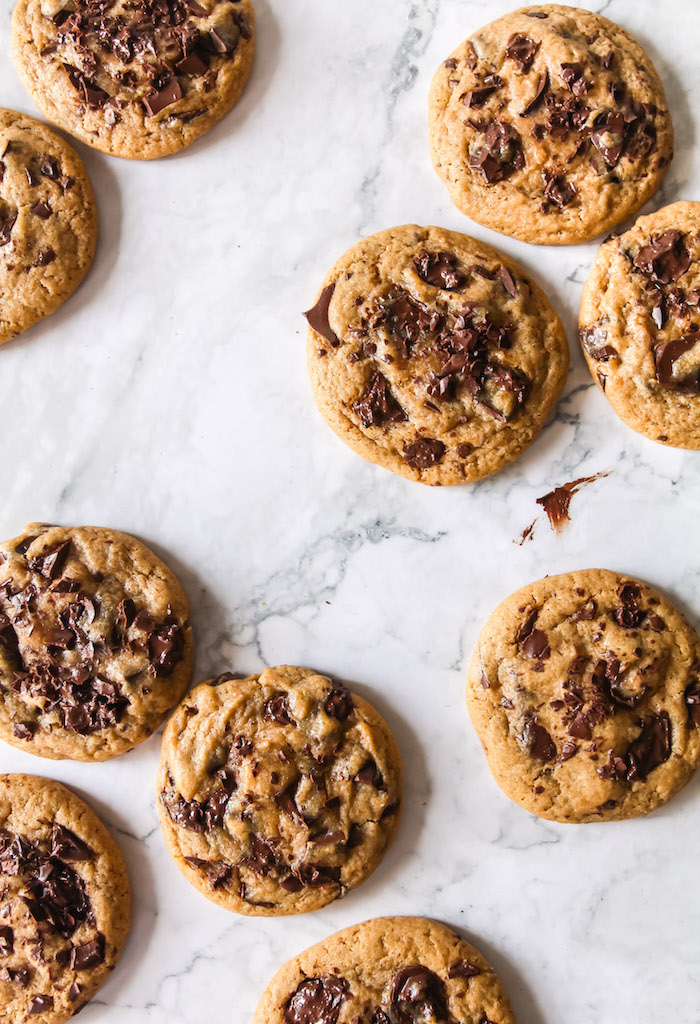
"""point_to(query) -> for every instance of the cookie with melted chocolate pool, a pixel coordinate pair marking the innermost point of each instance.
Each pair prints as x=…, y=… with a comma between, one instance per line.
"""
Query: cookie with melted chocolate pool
x=584, y=690
x=95, y=642
x=391, y=970
x=434, y=355
x=134, y=78
x=640, y=324
x=277, y=793
x=64, y=904
x=550, y=124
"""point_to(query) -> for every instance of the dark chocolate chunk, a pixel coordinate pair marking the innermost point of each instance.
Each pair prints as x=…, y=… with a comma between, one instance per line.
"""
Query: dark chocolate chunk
x=441, y=269
x=193, y=64
x=88, y=954
x=665, y=357
x=651, y=748
x=540, y=90
x=339, y=703
x=165, y=646
x=317, y=1001
x=287, y=804
x=628, y=614
x=501, y=153
x=378, y=405
x=317, y=316
x=40, y=1004
x=608, y=136
x=276, y=709
x=506, y=278
x=7, y=940
x=557, y=189
x=6, y=226
x=419, y=994
x=463, y=969
x=593, y=341
x=538, y=742
x=42, y=210
x=478, y=96
x=573, y=76
x=522, y=50
x=164, y=97
x=665, y=259
x=67, y=846
x=692, y=701
x=50, y=563
x=423, y=453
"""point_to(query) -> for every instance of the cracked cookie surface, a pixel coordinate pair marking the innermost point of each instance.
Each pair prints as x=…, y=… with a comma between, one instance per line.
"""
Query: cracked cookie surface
x=64, y=901
x=95, y=642
x=391, y=970
x=277, y=793
x=433, y=355
x=48, y=222
x=584, y=690
x=550, y=125
x=639, y=324
x=134, y=78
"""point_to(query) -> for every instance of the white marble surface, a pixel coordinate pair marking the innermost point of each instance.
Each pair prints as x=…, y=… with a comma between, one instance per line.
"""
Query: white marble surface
x=169, y=398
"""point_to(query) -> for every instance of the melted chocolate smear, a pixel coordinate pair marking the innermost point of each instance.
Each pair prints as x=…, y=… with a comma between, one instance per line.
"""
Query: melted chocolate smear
x=317, y=1001
x=441, y=269
x=556, y=503
x=317, y=316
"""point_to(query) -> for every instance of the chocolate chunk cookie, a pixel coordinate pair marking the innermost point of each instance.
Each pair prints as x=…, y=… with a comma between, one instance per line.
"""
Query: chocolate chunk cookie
x=433, y=355
x=392, y=970
x=64, y=901
x=640, y=324
x=279, y=792
x=550, y=125
x=48, y=222
x=584, y=690
x=134, y=78
x=95, y=643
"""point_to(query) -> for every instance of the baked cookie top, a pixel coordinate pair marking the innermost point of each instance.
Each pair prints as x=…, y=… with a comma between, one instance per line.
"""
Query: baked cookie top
x=584, y=690
x=640, y=324
x=279, y=792
x=433, y=355
x=64, y=901
x=391, y=970
x=48, y=222
x=134, y=78
x=550, y=125
x=95, y=642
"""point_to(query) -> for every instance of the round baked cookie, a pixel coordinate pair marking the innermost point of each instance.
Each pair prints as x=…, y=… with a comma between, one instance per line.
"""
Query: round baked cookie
x=584, y=690
x=48, y=222
x=277, y=793
x=134, y=78
x=433, y=355
x=389, y=970
x=550, y=125
x=64, y=901
x=95, y=642
x=640, y=324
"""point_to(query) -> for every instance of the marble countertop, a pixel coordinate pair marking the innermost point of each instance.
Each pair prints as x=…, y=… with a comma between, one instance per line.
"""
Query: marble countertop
x=169, y=398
